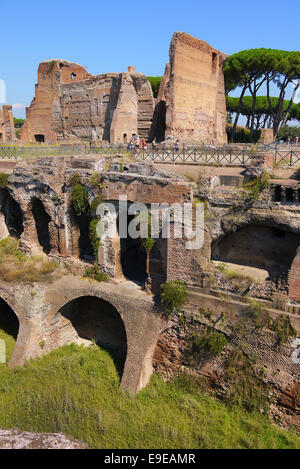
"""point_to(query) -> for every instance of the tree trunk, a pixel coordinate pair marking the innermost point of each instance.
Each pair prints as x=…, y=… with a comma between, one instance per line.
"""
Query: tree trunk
x=233, y=130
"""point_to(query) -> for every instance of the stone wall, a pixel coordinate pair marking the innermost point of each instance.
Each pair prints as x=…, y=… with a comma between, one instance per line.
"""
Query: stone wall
x=72, y=105
x=194, y=93
x=7, y=127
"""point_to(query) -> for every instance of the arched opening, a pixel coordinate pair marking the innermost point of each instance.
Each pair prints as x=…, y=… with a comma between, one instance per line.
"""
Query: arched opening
x=94, y=319
x=40, y=138
x=277, y=194
x=158, y=126
x=9, y=327
x=263, y=247
x=42, y=220
x=133, y=257
x=125, y=138
x=289, y=194
x=80, y=235
x=12, y=214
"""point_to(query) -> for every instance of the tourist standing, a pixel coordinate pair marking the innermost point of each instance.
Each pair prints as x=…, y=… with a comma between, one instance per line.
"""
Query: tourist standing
x=177, y=145
x=137, y=142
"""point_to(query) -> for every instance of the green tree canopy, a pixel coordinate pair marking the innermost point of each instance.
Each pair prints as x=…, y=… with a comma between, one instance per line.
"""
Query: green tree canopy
x=155, y=83
x=250, y=69
x=263, y=114
x=18, y=122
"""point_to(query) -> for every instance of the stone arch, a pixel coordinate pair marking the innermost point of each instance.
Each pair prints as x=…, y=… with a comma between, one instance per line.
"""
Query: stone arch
x=90, y=318
x=269, y=247
x=9, y=321
x=294, y=277
x=133, y=256
x=42, y=220
x=11, y=216
x=77, y=230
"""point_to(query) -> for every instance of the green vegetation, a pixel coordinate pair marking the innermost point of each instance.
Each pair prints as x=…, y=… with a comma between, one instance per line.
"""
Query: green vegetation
x=94, y=273
x=251, y=69
x=257, y=185
x=211, y=342
x=283, y=328
x=155, y=83
x=263, y=115
x=207, y=313
x=246, y=389
x=242, y=134
x=256, y=315
x=18, y=122
x=17, y=266
x=173, y=296
x=80, y=201
x=96, y=182
x=94, y=238
x=79, y=195
x=3, y=180
x=75, y=390
x=286, y=132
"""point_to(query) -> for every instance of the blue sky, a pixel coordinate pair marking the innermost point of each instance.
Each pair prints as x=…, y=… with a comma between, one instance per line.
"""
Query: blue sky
x=107, y=36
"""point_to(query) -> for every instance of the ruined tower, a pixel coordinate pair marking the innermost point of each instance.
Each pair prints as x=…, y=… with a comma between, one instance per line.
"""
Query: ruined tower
x=191, y=101
x=7, y=128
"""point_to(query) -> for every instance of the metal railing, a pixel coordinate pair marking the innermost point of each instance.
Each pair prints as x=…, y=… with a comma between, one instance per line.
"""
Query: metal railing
x=23, y=152
x=235, y=154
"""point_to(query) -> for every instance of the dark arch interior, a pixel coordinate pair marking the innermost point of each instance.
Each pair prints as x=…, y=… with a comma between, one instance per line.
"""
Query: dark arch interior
x=12, y=214
x=86, y=251
x=158, y=127
x=133, y=258
x=272, y=249
x=42, y=220
x=98, y=320
x=8, y=319
x=40, y=138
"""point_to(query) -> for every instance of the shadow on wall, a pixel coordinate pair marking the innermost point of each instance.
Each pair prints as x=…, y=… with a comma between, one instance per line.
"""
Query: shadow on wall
x=158, y=126
x=97, y=320
x=9, y=322
x=42, y=220
x=258, y=246
x=12, y=212
x=133, y=257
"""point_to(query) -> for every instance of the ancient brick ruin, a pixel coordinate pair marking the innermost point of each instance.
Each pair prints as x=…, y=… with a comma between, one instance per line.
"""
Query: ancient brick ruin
x=191, y=101
x=7, y=127
x=72, y=105
x=262, y=236
x=251, y=249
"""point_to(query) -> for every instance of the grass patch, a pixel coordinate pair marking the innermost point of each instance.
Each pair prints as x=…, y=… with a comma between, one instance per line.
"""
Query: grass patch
x=95, y=274
x=15, y=266
x=257, y=185
x=212, y=342
x=75, y=390
x=283, y=328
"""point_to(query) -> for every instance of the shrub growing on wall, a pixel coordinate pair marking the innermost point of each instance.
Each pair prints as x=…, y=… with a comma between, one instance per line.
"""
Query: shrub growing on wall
x=212, y=342
x=3, y=180
x=94, y=238
x=79, y=195
x=173, y=296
